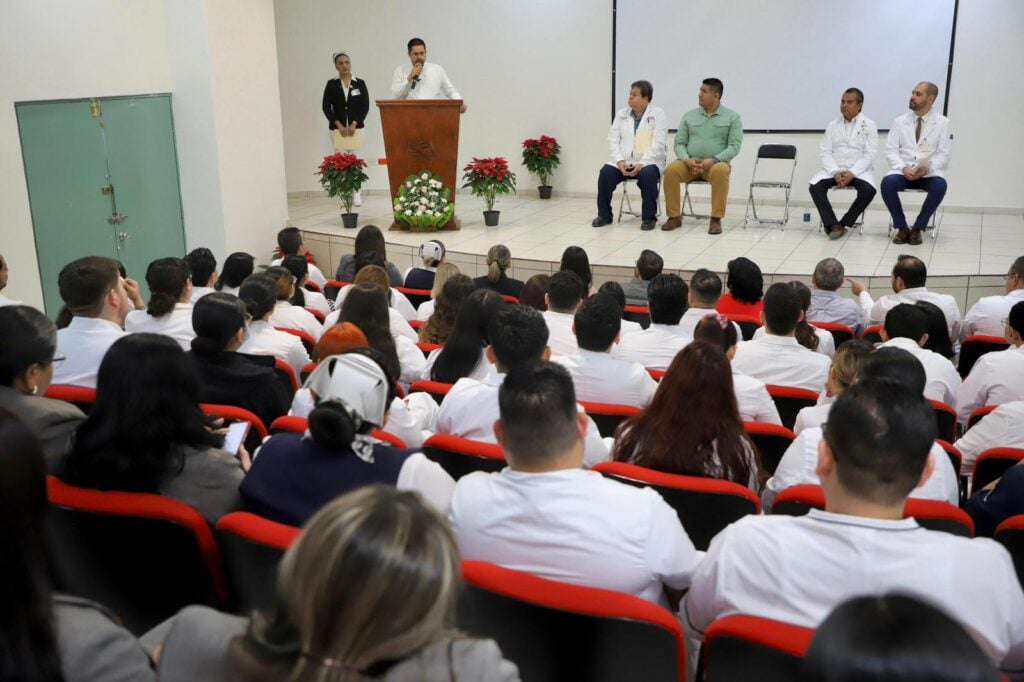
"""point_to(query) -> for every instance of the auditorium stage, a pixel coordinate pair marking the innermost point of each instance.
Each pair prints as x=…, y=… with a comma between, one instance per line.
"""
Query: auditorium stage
x=967, y=259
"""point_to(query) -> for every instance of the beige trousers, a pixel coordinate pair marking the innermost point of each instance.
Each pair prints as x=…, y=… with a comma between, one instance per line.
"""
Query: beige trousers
x=678, y=172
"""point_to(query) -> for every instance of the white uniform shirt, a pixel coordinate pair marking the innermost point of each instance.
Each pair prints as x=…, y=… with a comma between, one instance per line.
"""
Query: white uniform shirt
x=410, y=357
x=481, y=369
x=809, y=417
x=874, y=311
x=318, y=302
x=600, y=378
x=433, y=83
x=826, y=344
x=560, y=336
x=943, y=381
x=199, y=292
x=932, y=150
x=654, y=347
x=753, y=400
x=471, y=408
x=397, y=325
x=84, y=342
x=293, y=317
x=987, y=315
x=176, y=324
x=398, y=301
x=799, y=464
x=425, y=310
x=653, y=129
x=781, y=361
x=796, y=569
x=692, y=317
x=996, y=378
x=849, y=146
x=315, y=276
x=1001, y=428
x=574, y=526
x=263, y=339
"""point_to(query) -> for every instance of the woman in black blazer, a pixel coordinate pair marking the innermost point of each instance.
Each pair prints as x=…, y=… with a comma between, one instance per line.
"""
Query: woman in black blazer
x=346, y=100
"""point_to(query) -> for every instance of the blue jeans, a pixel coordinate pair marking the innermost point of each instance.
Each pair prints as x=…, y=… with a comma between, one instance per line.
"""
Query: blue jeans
x=647, y=180
x=892, y=185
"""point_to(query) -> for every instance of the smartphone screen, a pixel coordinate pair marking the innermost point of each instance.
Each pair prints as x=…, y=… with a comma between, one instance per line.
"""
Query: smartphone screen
x=236, y=436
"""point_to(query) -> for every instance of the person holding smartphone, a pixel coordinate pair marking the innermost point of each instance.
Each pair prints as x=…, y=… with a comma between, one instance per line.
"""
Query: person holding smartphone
x=346, y=102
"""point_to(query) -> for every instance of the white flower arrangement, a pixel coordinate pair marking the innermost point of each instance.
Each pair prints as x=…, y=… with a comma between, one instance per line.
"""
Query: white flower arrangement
x=423, y=203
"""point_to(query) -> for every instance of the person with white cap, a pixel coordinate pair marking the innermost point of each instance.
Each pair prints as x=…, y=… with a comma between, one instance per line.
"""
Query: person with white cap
x=432, y=252
x=294, y=475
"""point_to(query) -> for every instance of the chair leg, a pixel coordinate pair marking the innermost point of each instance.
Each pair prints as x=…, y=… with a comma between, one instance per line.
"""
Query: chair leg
x=624, y=199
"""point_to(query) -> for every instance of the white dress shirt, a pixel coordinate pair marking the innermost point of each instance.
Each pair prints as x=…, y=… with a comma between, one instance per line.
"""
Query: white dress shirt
x=629, y=327
x=799, y=464
x=943, y=381
x=753, y=400
x=471, y=408
x=318, y=302
x=199, y=292
x=6, y=301
x=560, y=336
x=263, y=339
x=83, y=343
x=796, y=569
x=293, y=317
x=781, y=361
x=600, y=378
x=987, y=315
x=433, y=83
x=425, y=310
x=692, y=317
x=826, y=344
x=574, y=526
x=411, y=418
x=1003, y=427
x=314, y=274
x=654, y=347
x=481, y=369
x=410, y=357
x=809, y=417
x=622, y=138
x=996, y=378
x=831, y=306
x=398, y=301
x=932, y=150
x=849, y=146
x=874, y=311
x=397, y=325
x=176, y=324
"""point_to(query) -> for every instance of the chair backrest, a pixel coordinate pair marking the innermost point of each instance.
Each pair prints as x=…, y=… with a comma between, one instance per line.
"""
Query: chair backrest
x=435, y=389
x=973, y=347
x=286, y=375
x=251, y=547
x=312, y=286
x=80, y=396
x=293, y=424
x=798, y=499
x=142, y=555
x=945, y=420
x=608, y=416
x=776, y=151
x=307, y=370
x=320, y=317
x=748, y=325
x=236, y=414
x=771, y=440
x=510, y=299
x=751, y=648
x=705, y=505
x=640, y=314
x=556, y=631
x=332, y=287
x=308, y=342
x=416, y=324
x=428, y=348
x=415, y=296
x=789, y=401
x=656, y=374
x=840, y=332
x=979, y=414
x=461, y=456
x=1010, y=533
x=873, y=334
x=992, y=464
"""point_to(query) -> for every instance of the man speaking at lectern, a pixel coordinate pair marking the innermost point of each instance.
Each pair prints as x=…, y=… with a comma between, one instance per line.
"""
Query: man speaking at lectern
x=425, y=80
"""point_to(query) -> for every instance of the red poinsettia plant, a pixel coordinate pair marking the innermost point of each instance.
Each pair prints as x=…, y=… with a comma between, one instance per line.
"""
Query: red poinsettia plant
x=487, y=178
x=541, y=157
x=342, y=175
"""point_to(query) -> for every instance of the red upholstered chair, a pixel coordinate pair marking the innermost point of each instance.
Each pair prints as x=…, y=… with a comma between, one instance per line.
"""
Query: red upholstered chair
x=292, y=424
x=945, y=416
x=415, y=296
x=461, y=456
x=771, y=441
x=428, y=348
x=80, y=396
x=656, y=374
x=308, y=342
x=973, y=347
x=956, y=459
x=748, y=325
x=640, y=314
x=557, y=631
x=608, y=416
x=510, y=299
x=705, y=505
x=840, y=332
x=142, y=555
x=436, y=389
x=1011, y=534
x=230, y=413
x=798, y=499
x=979, y=414
x=416, y=324
x=251, y=547
x=320, y=317
x=286, y=375
x=992, y=464
x=312, y=286
x=332, y=287
x=789, y=401
x=873, y=334
x=307, y=370
x=738, y=648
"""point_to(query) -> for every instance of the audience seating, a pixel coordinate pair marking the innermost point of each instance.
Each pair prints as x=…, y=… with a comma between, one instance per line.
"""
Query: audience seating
x=308, y=342
x=292, y=424
x=307, y=370
x=80, y=396
x=557, y=631
x=608, y=416
x=461, y=456
x=332, y=287
x=778, y=155
x=945, y=419
x=510, y=299
x=142, y=555
x=748, y=325
x=416, y=324
x=286, y=375
x=705, y=505
x=873, y=334
x=640, y=314
x=428, y=348
x=771, y=441
x=436, y=389
x=992, y=464
x=789, y=401
x=656, y=374
x=979, y=414
x=415, y=296
x=312, y=286
x=231, y=413
x=973, y=347
x=840, y=332
x=751, y=649
x=320, y=317
x=251, y=547
x=1010, y=533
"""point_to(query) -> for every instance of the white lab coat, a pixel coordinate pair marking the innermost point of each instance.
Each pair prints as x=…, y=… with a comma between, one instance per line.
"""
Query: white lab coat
x=849, y=146
x=932, y=149
x=621, y=137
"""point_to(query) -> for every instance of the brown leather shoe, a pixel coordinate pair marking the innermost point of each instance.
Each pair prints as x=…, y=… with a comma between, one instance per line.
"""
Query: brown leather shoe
x=715, y=226
x=902, y=237
x=837, y=232
x=672, y=223
x=915, y=238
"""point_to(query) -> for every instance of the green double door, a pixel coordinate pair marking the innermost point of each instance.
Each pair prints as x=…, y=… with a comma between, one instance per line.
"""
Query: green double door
x=102, y=180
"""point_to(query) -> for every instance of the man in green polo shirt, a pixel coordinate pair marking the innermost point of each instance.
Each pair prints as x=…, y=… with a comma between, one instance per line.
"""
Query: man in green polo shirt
x=709, y=137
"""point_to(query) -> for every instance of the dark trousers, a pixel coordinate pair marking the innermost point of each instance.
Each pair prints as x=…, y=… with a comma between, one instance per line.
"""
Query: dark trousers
x=892, y=185
x=647, y=180
x=819, y=193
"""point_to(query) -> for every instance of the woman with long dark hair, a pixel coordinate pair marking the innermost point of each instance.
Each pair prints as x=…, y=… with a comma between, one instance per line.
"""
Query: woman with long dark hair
x=169, y=311
x=236, y=268
x=366, y=306
x=575, y=258
x=692, y=426
x=463, y=353
x=439, y=327
x=746, y=289
x=304, y=298
x=369, y=238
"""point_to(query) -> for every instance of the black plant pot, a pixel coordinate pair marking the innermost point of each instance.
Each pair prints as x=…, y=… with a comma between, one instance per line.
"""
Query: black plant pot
x=544, y=191
x=350, y=220
x=491, y=218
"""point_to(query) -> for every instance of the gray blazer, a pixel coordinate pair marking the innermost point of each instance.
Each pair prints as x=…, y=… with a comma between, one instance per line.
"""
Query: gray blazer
x=636, y=291
x=208, y=483
x=52, y=421
x=94, y=647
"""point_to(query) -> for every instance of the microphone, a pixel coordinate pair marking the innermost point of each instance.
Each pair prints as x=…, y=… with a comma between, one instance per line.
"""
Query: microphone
x=417, y=78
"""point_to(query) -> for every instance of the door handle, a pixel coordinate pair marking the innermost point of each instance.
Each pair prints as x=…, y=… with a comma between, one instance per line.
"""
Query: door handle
x=117, y=219
x=123, y=236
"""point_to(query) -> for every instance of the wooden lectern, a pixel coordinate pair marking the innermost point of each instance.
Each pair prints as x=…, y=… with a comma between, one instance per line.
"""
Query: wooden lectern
x=421, y=134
